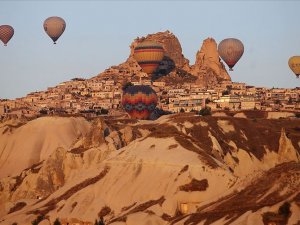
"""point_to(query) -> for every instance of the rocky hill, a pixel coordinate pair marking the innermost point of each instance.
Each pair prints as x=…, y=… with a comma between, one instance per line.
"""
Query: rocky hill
x=179, y=169
x=175, y=68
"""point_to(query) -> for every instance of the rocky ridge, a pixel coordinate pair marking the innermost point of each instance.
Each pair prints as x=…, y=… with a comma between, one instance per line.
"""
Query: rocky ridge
x=138, y=172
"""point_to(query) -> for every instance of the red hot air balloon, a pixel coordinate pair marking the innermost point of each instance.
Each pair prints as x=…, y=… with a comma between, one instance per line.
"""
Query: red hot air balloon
x=6, y=33
x=148, y=54
x=139, y=101
x=231, y=50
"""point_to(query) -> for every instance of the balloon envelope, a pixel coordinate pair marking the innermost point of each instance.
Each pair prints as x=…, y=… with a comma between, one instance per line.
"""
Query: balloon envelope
x=6, y=33
x=231, y=50
x=148, y=54
x=139, y=101
x=294, y=64
x=54, y=27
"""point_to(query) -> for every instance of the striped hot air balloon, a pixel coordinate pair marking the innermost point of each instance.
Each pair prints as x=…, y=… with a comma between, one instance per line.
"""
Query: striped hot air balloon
x=139, y=101
x=231, y=50
x=6, y=33
x=54, y=27
x=148, y=54
x=294, y=64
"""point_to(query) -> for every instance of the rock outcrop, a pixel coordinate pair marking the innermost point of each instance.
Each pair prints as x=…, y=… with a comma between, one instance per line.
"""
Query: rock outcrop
x=208, y=67
x=175, y=68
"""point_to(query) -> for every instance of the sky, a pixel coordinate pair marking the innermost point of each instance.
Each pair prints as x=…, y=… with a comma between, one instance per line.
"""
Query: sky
x=98, y=35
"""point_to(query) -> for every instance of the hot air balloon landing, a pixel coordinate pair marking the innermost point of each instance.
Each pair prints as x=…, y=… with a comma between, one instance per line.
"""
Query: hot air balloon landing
x=148, y=55
x=139, y=101
x=54, y=27
x=231, y=50
x=6, y=33
x=294, y=64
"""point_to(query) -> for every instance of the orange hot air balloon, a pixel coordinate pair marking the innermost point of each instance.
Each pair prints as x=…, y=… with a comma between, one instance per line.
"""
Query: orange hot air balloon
x=6, y=33
x=148, y=54
x=54, y=27
x=294, y=64
x=231, y=50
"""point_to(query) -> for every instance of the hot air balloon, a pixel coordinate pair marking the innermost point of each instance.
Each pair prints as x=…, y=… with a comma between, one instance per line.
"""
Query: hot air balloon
x=139, y=101
x=294, y=64
x=231, y=50
x=54, y=27
x=6, y=33
x=148, y=54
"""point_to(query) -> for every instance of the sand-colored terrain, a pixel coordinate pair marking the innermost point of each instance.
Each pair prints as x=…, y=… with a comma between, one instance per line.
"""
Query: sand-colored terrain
x=179, y=169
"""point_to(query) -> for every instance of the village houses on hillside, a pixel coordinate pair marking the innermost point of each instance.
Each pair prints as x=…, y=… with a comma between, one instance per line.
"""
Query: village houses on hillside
x=98, y=96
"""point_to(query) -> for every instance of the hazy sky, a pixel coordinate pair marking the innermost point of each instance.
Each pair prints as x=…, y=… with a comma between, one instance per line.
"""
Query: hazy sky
x=98, y=35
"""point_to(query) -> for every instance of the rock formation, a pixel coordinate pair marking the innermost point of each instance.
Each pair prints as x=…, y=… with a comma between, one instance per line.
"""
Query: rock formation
x=208, y=67
x=207, y=70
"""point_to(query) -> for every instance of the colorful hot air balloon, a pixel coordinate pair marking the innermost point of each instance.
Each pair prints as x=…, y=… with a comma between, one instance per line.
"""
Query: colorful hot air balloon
x=139, y=101
x=54, y=27
x=231, y=50
x=6, y=33
x=148, y=54
x=294, y=64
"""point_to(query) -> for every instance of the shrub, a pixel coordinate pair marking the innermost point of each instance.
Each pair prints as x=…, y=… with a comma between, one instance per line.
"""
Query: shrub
x=38, y=220
x=128, y=84
x=284, y=209
x=57, y=222
x=205, y=111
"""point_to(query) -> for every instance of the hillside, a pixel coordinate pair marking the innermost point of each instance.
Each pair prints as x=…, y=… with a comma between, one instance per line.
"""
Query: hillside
x=179, y=169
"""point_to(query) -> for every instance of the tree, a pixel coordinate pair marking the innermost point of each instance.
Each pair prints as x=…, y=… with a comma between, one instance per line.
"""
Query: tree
x=225, y=92
x=182, y=110
x=57, y=222
x=284, y=209
x=101, y=222
x=128, y=84
x=205, y=111
x=37, y=220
